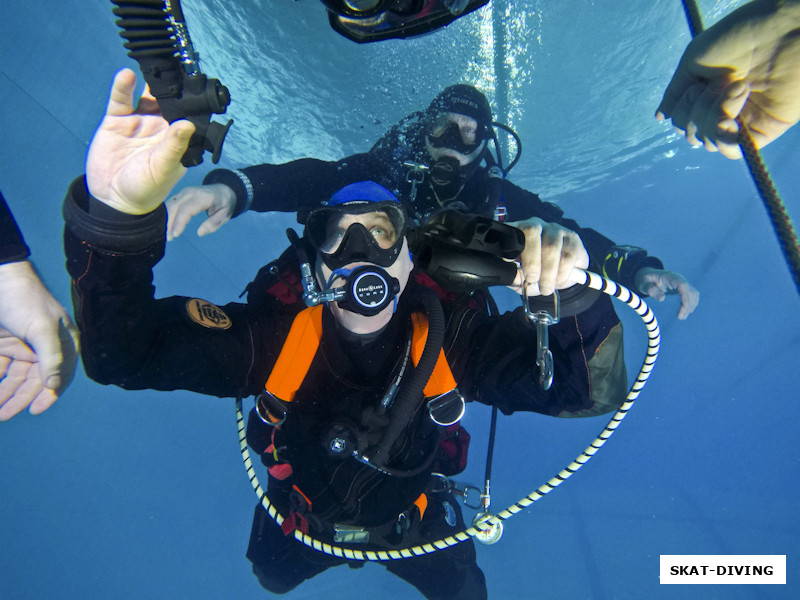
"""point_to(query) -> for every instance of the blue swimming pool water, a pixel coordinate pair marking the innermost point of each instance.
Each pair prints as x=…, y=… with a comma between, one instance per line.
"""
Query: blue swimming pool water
x=114, y=494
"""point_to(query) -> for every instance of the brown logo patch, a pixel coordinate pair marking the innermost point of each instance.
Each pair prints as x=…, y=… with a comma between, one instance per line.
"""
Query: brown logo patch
x=206, y=314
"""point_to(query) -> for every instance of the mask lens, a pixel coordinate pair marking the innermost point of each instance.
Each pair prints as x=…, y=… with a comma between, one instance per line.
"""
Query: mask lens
x=395, y=18
x=378, y=224
x=384, y=223
x=456, y=132
x=356, y=8
x=440, y=125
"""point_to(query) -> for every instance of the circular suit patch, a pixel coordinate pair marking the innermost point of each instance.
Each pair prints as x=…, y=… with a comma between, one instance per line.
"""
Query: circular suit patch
x=206, y=314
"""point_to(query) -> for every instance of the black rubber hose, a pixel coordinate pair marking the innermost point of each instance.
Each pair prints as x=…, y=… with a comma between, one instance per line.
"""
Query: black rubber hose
x=409, y=397
x=518, y=141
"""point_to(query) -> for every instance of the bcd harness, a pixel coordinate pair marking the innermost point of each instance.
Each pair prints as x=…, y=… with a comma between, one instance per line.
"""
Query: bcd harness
x=445, y=406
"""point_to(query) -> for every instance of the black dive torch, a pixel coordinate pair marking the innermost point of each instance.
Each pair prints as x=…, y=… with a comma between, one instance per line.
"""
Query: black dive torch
x=158, y=39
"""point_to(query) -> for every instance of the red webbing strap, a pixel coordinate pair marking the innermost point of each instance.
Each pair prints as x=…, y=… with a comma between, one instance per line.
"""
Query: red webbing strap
x=441, y=380
x=298, y=351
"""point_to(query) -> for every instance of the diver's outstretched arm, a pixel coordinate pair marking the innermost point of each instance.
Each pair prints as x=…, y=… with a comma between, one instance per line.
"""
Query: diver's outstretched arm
x=748, y=66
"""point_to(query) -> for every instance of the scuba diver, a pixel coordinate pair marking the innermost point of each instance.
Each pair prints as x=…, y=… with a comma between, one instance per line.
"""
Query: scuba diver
x=374, y=20
x=433, y=159
x=355, y=393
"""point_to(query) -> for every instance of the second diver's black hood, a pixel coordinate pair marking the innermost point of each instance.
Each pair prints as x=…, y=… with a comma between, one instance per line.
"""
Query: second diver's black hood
x=466, y=100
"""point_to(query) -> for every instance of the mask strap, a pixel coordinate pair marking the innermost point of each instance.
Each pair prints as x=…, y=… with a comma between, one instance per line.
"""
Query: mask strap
x=341, y=272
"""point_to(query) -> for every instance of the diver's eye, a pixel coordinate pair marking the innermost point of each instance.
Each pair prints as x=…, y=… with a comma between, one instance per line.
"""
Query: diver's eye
x=383, y=235
x=468, y=134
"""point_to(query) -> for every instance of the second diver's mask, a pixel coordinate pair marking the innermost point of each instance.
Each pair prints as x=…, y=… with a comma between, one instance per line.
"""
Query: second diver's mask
x=362, y=223
x=456, y=152
x=445, y=133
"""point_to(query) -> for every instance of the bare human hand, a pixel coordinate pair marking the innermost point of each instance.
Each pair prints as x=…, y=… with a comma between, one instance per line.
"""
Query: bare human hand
x=135, y=156
x=747, y=66
x=551, y=253
x=38, y=343
x=217, y=200
x=658, y=283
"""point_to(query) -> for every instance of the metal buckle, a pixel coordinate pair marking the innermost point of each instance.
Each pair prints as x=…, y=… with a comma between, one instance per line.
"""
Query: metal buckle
x=415, y=176
x=448, y=408
x=267, y=406
x=348, y=534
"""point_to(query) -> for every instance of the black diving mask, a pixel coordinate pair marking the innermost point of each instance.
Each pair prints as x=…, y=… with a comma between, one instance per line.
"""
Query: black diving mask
x=374, y=20
x=369, y=232
x=448, y=135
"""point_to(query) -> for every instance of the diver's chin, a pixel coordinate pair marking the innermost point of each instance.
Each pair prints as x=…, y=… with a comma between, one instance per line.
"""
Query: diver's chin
x=359, y=324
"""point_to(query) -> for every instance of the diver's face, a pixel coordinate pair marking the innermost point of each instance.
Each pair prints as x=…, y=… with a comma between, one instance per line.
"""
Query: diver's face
x=467, y=129
x=467, y=126
x=380, y=227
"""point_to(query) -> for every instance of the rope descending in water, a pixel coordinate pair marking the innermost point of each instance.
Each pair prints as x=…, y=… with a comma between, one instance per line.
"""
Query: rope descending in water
x=776, y=209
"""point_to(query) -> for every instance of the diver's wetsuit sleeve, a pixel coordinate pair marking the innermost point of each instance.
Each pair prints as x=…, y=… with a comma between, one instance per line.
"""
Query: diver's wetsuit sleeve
x=130, y=339
x=294, y=186
x=12, y=245
x=522, y=204
x=494, y=361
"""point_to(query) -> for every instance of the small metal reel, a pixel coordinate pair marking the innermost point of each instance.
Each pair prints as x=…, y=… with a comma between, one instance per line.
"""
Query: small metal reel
x=491, y=535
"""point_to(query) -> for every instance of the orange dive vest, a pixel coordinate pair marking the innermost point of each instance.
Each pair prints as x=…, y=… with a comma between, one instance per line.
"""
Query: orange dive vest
x=301, y=346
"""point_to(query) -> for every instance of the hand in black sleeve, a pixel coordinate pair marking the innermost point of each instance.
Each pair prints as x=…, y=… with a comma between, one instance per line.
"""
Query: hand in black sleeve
x=295, y=187
x=131, y=339
x=494, y=361
x=628, y=265
x=38, y=342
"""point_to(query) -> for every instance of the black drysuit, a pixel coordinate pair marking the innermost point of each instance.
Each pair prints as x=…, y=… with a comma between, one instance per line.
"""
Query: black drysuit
x=12, y=245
